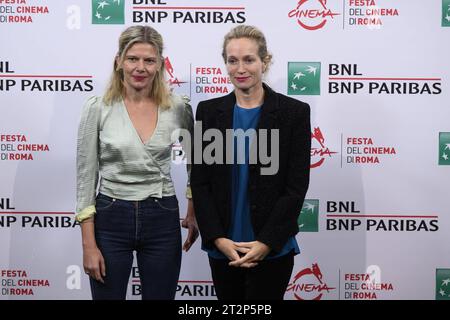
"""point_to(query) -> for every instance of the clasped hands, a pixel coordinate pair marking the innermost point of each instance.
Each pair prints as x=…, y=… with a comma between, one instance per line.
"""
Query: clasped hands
x=242, y=254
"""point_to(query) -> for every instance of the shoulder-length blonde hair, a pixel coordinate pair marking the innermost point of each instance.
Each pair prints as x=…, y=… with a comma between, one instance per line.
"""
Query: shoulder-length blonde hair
x=130, y=36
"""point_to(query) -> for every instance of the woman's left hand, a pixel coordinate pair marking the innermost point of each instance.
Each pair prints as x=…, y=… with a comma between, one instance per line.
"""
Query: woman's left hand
x=190, y=223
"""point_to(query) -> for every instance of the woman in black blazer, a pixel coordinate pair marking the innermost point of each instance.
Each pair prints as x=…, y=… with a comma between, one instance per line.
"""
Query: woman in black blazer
x=248, y=193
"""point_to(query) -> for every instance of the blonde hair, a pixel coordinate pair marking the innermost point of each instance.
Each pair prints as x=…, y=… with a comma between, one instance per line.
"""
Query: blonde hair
x=252, y=33
x=129, y=37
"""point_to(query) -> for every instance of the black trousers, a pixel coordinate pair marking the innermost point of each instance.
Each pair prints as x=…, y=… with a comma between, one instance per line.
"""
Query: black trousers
x=267, y=281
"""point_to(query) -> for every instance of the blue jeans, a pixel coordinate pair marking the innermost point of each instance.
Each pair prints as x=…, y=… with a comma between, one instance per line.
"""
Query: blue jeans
x=150, y=227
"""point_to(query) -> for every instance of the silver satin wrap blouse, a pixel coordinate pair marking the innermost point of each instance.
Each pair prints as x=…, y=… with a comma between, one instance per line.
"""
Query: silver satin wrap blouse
x=110, y=149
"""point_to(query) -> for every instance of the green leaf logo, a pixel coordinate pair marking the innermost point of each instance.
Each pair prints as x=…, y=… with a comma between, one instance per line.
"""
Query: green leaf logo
x=108, y=11
x=308, y=221
x=442, y=284
x=303, y=78
x=446, y=13
x=444, y=148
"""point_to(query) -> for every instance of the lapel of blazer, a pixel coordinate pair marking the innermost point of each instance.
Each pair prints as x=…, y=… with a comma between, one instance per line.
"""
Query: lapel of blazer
x=267, y=118
x=225, y=121
x=225, y=113
x=267, y=121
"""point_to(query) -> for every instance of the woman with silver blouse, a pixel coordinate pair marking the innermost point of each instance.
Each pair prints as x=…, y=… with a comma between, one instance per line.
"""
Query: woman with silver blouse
x=124, y=149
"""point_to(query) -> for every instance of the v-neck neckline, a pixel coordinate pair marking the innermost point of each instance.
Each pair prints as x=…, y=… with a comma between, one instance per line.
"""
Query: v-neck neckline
x=124, y=107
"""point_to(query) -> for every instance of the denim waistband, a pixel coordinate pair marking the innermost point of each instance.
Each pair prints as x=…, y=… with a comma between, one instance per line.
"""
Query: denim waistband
x=149, y=199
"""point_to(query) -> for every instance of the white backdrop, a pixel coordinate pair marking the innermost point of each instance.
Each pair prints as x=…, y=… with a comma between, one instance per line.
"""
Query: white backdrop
x=375, y=223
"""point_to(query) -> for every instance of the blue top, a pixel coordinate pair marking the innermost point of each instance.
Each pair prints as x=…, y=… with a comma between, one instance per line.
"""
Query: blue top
x=241, y=229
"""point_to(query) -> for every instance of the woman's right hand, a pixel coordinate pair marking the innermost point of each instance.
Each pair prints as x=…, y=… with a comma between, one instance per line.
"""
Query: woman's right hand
x=227, y=247
x=93, y=263
x=231, y=251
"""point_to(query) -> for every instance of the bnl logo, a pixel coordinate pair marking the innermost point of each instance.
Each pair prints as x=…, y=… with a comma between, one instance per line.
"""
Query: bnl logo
x=442, y=284
x=303, y=78
x=108, y=11
x=308, y=220
x=446, y=13
x=444, y=148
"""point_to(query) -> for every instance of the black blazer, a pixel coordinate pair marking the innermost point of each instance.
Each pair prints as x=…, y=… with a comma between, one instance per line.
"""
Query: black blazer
x=275, y=200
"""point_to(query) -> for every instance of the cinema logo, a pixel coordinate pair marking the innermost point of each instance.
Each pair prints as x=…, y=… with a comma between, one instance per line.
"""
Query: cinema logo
x=19, y=11
x=368, y=14
x=186, y=289
x=308, y=284
x=18, y=283
x=319, y=151
x=345, y=216
x=365, y=286
x=211, y=80
x=312, y=14
x=173, y=79
x=10, y=217
x=363, y=150
x=158, y=11
x=16, y=147
x=10, y=80
x=348, y=79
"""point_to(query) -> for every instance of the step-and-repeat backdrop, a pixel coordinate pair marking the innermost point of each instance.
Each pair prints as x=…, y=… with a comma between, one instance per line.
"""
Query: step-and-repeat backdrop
x=375, y=223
